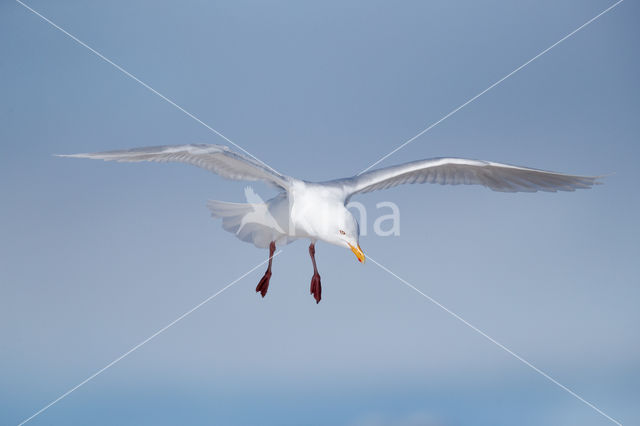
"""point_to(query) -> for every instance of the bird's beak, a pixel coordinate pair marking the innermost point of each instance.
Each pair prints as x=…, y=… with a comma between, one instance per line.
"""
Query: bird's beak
x=358, y=252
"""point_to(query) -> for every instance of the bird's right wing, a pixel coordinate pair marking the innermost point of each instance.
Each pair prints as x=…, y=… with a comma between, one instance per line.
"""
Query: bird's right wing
x=456, y=171
x=218, y=159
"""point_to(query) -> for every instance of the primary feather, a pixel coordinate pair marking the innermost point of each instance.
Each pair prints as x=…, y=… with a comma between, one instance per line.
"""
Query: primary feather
x=456, y=171
x=218, y=159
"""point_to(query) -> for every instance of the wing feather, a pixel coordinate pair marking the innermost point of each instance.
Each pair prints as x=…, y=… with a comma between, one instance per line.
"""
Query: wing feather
x=456, y=171
x=218, y=159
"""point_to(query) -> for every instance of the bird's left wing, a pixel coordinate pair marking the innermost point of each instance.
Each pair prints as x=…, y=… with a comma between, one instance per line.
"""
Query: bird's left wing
x=218, y=159
x=456, y=171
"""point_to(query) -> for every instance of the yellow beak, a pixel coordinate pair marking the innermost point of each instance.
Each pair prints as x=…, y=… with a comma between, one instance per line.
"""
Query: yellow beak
x=358, y=252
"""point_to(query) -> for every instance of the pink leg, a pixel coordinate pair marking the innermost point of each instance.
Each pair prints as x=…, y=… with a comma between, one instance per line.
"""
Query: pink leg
x=263, y=285
x=316, y=287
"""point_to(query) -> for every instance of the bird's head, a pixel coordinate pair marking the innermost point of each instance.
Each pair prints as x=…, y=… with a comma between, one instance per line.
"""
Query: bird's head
x=345, y=231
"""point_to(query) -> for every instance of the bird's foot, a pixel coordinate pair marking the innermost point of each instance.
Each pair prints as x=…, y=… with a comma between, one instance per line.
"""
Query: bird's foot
x=316, y=287
x=263, y=285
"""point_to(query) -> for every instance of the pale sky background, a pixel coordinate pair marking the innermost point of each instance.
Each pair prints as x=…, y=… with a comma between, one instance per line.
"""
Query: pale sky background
x=95, y=257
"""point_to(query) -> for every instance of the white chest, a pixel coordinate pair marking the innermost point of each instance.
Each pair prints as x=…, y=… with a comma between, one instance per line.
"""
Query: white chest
x=312, y=208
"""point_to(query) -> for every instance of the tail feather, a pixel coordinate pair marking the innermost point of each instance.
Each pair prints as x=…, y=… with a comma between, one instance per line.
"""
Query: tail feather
x=225, y=209
x=237, y=219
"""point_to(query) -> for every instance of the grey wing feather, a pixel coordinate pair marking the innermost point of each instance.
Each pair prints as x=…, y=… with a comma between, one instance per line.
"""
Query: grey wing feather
x=218, y=159
x=457, y=171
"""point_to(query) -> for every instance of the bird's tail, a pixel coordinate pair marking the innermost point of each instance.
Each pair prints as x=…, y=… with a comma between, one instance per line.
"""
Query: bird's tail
x=237, y=219
x=232, y=214
x=224, y=210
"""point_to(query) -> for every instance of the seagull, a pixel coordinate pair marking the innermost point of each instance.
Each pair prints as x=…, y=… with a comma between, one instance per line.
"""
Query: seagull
x=317, y=210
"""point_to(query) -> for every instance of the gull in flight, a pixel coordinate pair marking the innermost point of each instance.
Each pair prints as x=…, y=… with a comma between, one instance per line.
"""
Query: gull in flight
x=317, y=210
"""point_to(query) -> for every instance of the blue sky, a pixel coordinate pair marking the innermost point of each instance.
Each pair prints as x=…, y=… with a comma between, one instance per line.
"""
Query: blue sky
x=95, y=256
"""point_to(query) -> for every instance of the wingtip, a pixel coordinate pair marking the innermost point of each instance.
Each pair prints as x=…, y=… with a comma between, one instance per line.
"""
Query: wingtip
x=70, y=155
x=597, y=180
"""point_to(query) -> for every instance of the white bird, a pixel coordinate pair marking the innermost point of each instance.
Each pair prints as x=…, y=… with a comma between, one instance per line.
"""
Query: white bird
x=317, y=211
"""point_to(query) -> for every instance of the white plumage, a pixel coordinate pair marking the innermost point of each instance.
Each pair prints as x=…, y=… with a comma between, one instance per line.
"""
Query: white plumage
x=317, y=210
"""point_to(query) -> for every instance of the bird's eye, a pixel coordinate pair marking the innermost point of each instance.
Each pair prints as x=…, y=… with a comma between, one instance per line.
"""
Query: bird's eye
x=342, y=232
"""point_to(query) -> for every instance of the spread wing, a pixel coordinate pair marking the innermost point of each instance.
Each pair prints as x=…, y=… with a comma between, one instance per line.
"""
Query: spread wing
x=218, y=159
x=456, y=171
